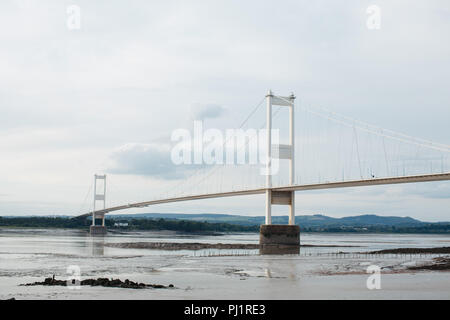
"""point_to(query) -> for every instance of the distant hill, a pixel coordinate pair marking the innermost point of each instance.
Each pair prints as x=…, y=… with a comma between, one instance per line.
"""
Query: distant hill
x=235, y=223
x=303, y=220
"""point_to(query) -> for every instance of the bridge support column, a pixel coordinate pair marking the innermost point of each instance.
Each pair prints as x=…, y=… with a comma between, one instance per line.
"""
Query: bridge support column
x=94, y=229
x=292, y=209
x=279, y=239
x=268, y=206
x=276, y=238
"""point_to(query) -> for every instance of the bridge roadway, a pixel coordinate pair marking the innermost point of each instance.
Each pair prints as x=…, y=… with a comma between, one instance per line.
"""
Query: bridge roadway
x=318, y=186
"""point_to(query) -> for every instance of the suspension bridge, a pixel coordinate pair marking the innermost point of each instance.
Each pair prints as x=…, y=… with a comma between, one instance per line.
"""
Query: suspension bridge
x=339, y=152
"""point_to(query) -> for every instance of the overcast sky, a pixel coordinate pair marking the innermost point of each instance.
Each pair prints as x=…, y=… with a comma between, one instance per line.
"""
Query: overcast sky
x=106, y=97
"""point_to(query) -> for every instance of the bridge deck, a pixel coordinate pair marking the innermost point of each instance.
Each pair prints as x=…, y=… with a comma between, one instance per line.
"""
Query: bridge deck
x=318, y=186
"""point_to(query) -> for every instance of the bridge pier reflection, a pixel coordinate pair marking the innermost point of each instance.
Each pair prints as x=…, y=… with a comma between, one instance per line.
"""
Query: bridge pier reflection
x=98, y=247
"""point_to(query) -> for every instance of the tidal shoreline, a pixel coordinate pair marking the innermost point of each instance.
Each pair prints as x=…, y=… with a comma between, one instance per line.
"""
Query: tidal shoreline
x=198, y=245
x=438, y=250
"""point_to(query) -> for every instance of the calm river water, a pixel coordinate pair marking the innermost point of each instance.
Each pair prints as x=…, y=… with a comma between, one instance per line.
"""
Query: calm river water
x=28, y=255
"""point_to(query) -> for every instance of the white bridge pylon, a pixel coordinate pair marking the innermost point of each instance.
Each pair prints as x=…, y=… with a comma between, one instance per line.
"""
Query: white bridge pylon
x=284, y=194
x=283, y=151
x=99, y=197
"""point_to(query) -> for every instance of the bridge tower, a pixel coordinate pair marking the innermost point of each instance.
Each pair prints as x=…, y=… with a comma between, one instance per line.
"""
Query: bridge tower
x=276, y=237
x=101, y=229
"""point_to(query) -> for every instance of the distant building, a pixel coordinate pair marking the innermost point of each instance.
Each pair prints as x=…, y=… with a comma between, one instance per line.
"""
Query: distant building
x=121, y=224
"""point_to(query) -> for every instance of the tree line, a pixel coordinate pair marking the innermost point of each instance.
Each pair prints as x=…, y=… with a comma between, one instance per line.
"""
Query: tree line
x=133, y=224
x=203, y=226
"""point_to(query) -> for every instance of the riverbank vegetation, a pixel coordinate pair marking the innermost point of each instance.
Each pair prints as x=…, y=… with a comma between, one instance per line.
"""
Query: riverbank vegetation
x=203, y=226
x=133, y=224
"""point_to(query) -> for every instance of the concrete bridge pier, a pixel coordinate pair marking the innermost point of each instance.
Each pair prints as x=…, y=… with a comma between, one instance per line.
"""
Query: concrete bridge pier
x=98, y=230
x=279, y=239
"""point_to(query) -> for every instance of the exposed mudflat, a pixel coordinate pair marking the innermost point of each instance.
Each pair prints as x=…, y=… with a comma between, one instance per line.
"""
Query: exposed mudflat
x=198, y=245
x=438, y=250
x=438, y=263
x=182, y=245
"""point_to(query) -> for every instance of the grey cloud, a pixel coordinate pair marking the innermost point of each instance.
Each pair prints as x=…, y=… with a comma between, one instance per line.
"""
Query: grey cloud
x=432, y=190
x=152, y=159
x=204, y=111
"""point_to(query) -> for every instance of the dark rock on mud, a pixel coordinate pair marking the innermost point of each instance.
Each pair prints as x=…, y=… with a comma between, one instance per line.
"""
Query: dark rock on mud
x=103, y=282
x=439, y=250
x=439, y=263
